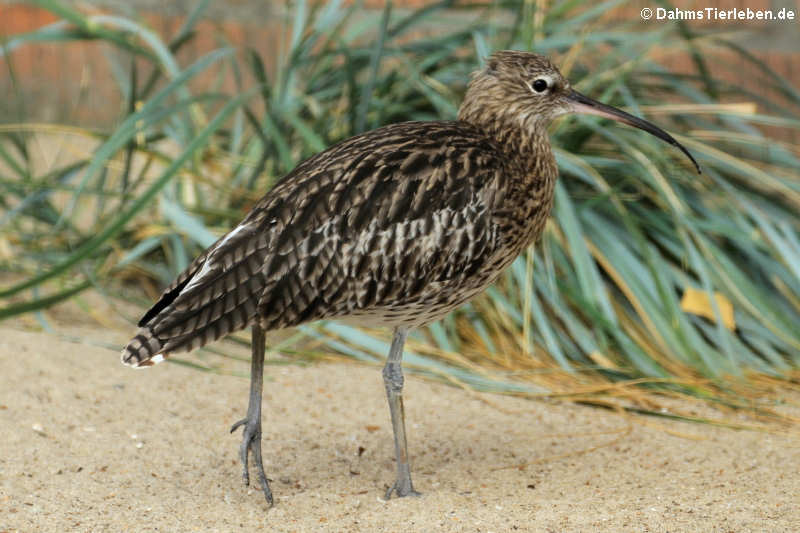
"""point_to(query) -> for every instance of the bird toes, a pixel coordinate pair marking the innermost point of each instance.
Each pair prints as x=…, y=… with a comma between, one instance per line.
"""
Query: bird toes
x=251, y=443
x=402, y=488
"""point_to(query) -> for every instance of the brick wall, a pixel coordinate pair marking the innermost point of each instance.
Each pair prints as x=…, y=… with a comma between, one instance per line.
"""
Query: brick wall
x=66, y=81
x=74, y=82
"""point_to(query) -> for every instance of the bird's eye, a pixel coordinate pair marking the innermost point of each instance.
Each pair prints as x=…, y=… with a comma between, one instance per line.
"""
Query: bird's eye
x=540, y=85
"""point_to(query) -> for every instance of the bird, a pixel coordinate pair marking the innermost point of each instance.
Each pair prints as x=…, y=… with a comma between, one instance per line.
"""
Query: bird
x=394, y=227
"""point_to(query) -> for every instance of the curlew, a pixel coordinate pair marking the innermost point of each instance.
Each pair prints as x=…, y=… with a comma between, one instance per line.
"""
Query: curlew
x=394, y=227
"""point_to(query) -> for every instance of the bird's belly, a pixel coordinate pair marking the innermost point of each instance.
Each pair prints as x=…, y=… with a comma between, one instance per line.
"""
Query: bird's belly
x=430, y=304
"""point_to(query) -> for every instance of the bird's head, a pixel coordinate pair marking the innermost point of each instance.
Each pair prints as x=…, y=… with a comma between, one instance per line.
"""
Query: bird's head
x=526, y=91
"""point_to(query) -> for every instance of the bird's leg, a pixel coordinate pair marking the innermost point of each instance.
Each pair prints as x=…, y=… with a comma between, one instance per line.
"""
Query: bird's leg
x=251, y=438
x=393, y=380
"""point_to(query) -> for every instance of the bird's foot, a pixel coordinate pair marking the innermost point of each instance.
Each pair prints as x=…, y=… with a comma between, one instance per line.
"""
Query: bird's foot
x=402, y=487
x=251, y=442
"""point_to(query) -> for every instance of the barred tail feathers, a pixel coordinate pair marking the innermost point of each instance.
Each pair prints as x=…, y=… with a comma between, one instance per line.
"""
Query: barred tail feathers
x=220, y=297
x=194, y=319
x=143, y=350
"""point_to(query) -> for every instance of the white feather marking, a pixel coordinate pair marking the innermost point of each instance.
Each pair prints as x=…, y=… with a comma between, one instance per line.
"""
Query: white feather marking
x=199, y=276
x=210, y=262
x=141, y=365
x=238, y=229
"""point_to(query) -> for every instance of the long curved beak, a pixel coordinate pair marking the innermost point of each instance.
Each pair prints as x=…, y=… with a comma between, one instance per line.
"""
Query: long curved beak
x=584, y=104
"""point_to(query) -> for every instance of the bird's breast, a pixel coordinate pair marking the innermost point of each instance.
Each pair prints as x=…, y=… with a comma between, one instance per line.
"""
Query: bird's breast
x=521, y=218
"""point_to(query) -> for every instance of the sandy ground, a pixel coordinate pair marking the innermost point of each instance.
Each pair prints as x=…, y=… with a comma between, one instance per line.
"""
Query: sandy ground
x=89, y=445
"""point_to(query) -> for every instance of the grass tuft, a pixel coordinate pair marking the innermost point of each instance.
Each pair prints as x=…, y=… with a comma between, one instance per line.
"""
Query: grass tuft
x=651, y=282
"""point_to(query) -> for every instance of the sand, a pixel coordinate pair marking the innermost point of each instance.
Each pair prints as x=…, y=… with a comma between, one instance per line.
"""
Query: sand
x=90, y=445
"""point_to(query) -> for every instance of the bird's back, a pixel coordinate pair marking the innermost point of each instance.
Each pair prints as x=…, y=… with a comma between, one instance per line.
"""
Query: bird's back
x=395, y=226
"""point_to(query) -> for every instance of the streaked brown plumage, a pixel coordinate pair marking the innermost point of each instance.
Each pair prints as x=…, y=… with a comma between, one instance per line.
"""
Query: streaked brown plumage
x=397, y=226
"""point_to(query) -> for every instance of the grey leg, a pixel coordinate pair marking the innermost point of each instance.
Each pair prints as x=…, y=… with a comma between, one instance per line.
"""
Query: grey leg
x=251, y=438
x=393, y=380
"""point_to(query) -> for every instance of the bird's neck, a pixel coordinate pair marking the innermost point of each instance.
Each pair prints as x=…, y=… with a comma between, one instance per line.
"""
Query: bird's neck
x=530, y=148
x=523, y=137
x=531, y=166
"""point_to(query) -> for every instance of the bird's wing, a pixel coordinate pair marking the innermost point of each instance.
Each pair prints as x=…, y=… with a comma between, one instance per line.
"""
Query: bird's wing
x=371, y=219
x=389, y=214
